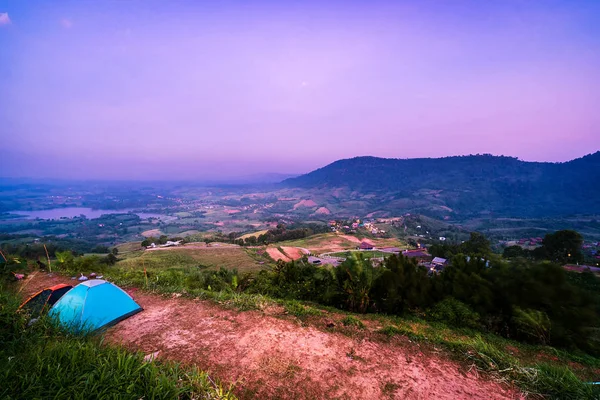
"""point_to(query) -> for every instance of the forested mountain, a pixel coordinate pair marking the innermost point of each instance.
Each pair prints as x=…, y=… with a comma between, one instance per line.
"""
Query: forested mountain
x=468, y=185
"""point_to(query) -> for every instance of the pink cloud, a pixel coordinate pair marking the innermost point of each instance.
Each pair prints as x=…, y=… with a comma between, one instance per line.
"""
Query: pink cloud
x=4, y=19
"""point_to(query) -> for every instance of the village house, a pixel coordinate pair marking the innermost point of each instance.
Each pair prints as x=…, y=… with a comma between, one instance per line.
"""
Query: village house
x=420, y=254
x=365, y=246
x=439, y=262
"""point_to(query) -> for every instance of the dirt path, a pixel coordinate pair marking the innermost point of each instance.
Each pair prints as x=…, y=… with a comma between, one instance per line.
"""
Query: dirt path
x=269, y=355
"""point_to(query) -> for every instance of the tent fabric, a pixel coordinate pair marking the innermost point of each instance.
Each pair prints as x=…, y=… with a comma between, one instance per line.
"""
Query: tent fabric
x=48, y=296
x=94, y=304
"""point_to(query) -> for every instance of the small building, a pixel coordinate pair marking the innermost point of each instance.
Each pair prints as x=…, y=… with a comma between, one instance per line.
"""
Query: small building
x=365, y=246
x=439, y=261
x=420, y=255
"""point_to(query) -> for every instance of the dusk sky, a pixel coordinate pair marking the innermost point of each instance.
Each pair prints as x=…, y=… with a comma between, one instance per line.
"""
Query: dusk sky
x=193, y=89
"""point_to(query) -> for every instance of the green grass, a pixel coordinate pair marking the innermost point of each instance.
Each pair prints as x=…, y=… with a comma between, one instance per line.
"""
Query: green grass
x=390, y=330
x=331, y=241
x=241, y=301
x=43, y=362
x=505, y=360
x=253, y=234
x=365, y=254
x=535, y=369
x=351, y=320
x=181, y=257
x=299, y=310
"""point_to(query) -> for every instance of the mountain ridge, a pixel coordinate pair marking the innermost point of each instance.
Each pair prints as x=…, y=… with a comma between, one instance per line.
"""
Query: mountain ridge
x=469, y=185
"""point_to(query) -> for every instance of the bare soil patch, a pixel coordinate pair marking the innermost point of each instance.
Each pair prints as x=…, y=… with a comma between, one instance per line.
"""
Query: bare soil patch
x=268, y=355
x=277, y=255
x=292, y=252
x=354, y=239
x=323, y=211
x=152, y=232
x=305, y=203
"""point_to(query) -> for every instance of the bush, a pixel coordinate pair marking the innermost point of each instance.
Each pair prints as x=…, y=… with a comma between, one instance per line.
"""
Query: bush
x=299, y=310
x=350, y=320
x=455, y=313
x=390, y=330
x=533, y=325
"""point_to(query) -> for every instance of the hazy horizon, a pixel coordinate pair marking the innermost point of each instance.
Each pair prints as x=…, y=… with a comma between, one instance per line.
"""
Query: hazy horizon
x=148, y=90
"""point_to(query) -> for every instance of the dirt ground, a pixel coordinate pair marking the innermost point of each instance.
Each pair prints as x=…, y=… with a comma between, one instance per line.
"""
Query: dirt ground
x=292, y=252
x=152, y=232
x=277, y=255
x=354, y=239
x=268, y=354
x=305, y=203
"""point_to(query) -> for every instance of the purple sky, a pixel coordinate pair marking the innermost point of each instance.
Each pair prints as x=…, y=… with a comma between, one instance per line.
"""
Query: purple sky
x=144, y=89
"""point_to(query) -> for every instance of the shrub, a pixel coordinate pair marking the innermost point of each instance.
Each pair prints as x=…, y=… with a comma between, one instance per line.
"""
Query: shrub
x=350, y=320
x=534, y=325
x=455, y=313
x=299, y=310
x=390, y=330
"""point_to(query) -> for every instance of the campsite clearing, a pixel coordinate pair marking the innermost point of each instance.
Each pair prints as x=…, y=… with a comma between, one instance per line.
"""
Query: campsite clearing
x=272, y=354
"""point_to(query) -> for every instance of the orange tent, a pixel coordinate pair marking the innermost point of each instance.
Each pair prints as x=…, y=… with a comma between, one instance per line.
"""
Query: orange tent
x=48, y=296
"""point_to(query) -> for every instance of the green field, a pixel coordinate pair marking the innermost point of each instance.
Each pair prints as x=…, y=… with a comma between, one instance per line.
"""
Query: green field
x=244, y=260
x=326, y=242
x=365, y=254
x=253, y=234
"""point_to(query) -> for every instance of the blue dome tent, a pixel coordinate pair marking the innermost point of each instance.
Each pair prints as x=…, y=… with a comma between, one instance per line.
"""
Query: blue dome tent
x=94, y=304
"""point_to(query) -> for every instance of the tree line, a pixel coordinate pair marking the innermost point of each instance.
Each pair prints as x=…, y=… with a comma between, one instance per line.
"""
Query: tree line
x=535, y=302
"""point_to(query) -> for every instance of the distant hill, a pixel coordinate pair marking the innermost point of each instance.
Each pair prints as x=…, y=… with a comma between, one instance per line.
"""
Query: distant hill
x=464, y=185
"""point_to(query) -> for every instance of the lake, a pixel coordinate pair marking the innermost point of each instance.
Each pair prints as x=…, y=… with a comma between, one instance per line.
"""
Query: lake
x=70, y=212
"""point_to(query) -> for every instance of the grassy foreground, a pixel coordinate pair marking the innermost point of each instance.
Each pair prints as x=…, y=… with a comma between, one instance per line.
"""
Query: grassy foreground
x=539, y=371
x=43, y=362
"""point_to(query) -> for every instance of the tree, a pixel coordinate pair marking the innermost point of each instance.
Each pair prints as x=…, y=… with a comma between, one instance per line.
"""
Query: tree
x=148, y=241
x=563, y=246
x=101, y=249
x=110, y=259
x=115, y=251
x=513, y=252
x=401, y=285
x=477, y=245
x=355, y=278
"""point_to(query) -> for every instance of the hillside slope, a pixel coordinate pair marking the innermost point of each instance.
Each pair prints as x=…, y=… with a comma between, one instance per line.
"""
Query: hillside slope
x=467, y=185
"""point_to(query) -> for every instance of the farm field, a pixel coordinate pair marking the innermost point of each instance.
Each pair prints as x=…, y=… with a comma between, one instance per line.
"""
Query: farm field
x=332, y=242
x=253, y=234
x=213, y=257
x=365, y=253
